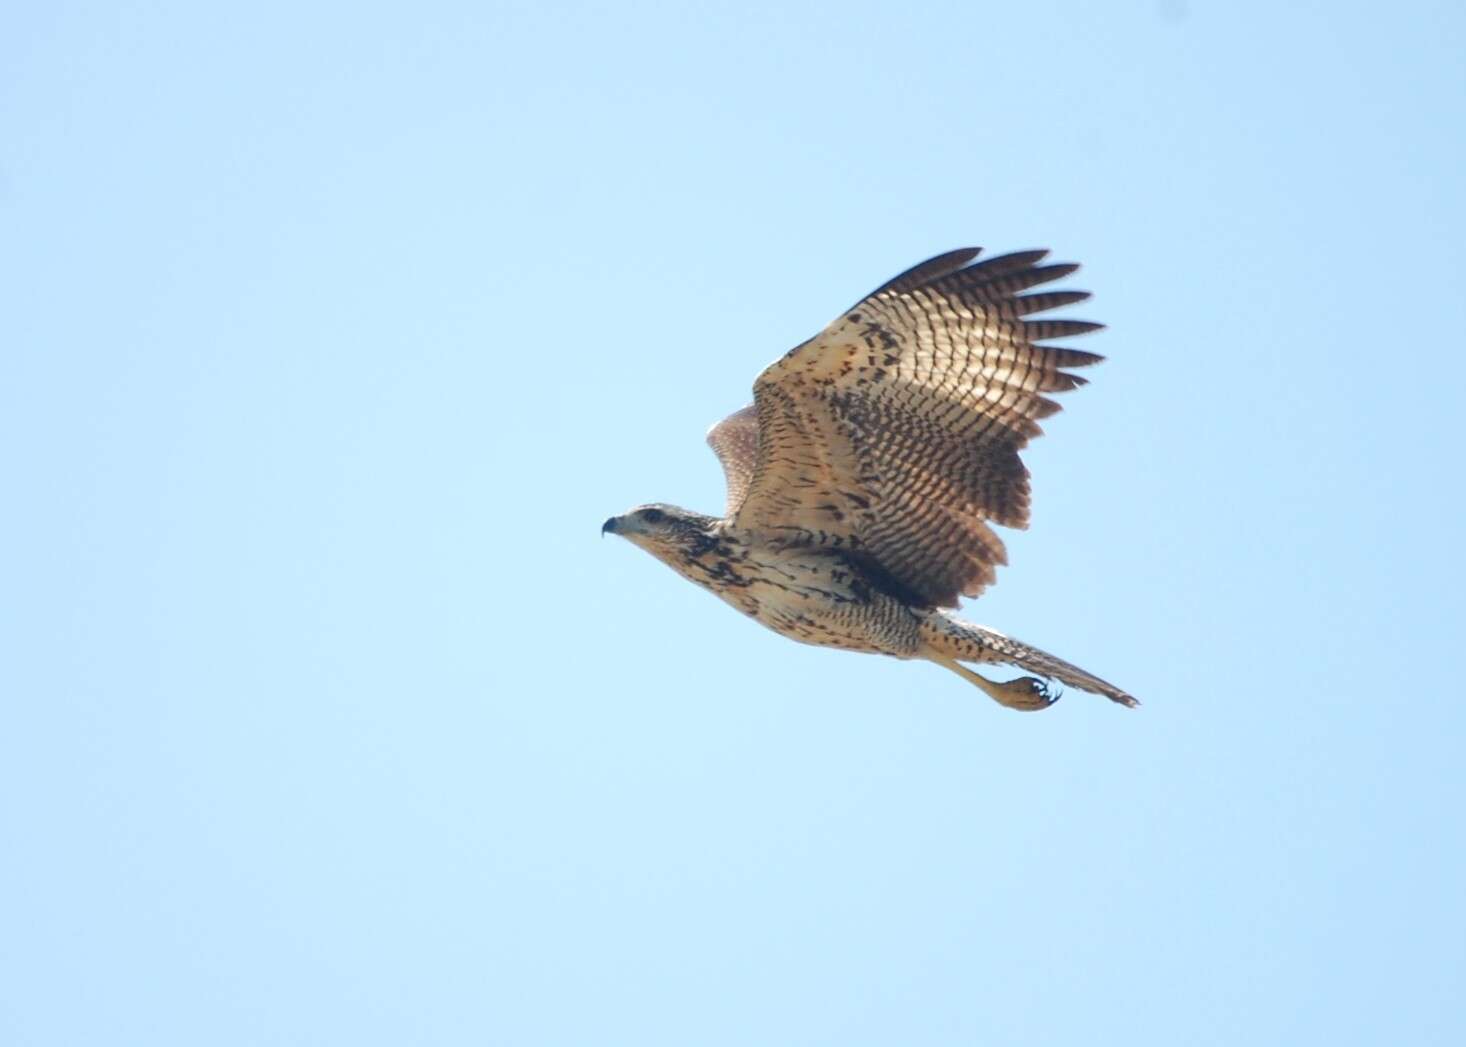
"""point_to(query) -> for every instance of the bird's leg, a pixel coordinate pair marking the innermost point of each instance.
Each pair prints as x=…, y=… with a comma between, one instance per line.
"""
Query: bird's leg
x=1027, y=693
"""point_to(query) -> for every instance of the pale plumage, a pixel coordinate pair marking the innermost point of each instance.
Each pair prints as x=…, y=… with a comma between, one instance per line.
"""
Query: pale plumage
x=863, y=478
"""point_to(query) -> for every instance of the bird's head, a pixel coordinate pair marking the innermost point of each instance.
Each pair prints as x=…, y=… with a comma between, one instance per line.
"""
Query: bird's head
x=665, y=531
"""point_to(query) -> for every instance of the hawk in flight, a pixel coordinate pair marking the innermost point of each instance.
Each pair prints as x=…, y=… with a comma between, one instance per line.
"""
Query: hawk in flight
x=864, y=475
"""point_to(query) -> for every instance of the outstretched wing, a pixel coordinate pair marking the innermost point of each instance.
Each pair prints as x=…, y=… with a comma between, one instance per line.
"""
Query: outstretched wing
x=894, y=433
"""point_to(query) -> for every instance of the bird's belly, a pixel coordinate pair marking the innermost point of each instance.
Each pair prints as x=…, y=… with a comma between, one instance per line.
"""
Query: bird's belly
x=813, y=607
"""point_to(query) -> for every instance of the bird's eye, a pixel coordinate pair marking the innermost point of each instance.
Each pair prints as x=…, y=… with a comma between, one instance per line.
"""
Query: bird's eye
x=653, y=515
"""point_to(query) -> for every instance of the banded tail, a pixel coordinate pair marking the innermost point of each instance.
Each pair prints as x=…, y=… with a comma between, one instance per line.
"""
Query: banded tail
x=949, y=640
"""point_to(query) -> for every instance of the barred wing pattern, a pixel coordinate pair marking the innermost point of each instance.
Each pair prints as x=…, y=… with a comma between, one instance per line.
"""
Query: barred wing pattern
x=894, y=433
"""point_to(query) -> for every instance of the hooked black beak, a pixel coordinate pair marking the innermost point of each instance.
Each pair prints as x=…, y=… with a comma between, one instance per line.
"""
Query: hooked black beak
x=609, y=525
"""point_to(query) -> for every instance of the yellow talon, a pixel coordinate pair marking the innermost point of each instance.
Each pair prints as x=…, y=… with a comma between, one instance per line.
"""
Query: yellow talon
x=1027, y=693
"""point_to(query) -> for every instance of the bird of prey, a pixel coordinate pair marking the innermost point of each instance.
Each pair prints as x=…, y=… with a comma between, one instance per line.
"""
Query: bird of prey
x=864, y=475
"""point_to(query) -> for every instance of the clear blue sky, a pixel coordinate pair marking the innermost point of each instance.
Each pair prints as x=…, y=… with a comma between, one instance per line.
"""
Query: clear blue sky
x=331, y=333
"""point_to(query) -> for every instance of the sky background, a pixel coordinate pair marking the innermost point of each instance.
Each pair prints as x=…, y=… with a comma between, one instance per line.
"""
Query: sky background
x=332, y=332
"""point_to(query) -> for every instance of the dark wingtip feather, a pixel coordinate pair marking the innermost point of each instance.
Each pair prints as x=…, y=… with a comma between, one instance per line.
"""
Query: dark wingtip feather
x=932, y=269
x=1057, y=271
x=1043, y=301
x=1036, y=329
x=1065, y=357
x=1014, y=261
